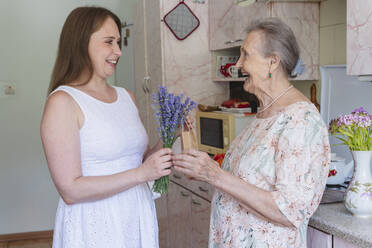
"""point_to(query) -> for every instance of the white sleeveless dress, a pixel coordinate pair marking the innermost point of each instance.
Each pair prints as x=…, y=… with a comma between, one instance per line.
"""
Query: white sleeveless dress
x=112, y=140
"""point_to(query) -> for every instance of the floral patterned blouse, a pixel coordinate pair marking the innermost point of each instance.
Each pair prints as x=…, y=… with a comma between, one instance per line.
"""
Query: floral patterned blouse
x=287, y=154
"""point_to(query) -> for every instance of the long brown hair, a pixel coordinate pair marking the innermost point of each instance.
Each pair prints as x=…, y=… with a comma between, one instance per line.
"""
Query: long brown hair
x=72, y=56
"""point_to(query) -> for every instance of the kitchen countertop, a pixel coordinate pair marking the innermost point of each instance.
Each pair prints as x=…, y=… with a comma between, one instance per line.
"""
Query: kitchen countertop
x=334, y=219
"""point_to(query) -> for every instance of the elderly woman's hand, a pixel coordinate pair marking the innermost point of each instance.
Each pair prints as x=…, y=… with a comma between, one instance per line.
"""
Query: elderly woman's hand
x=197, y=165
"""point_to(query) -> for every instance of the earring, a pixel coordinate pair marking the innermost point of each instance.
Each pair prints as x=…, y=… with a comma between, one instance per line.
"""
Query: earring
x=270, y=75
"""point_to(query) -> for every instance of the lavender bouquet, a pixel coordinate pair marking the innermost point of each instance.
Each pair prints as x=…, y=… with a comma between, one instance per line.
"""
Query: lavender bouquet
x=171, y=113
x=354, y=130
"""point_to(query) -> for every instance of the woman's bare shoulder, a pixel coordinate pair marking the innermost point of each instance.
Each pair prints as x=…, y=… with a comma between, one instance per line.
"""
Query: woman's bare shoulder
x=59, y=97
x=130, y=93
x=59, y=105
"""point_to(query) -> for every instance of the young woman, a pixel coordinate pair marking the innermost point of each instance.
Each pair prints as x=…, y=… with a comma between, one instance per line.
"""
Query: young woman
x=95, y=144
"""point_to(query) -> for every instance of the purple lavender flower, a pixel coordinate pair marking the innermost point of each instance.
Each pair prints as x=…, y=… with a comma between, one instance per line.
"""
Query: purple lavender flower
x=360, y=110
x=170, y=113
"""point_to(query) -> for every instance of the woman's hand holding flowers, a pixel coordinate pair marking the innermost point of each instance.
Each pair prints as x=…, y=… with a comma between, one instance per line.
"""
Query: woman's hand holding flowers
x=197, y=165
x=156, y=165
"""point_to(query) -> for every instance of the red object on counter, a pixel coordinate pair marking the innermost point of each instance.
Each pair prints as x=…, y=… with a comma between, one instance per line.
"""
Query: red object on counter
x=219, y=158
x=332, y=173
x=235, y=103
x=242, y=105
x=229, y=103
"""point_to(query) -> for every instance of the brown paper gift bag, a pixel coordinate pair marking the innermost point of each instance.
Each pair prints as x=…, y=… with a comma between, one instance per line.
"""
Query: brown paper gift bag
x=188, y=140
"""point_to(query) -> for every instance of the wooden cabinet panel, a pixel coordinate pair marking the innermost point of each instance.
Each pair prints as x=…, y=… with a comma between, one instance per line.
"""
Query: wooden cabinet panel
x=340, y=243
x=162, y=214
x=179, y=216
x=203, y=189
x=303, y=18
x=317, y=239
x=228, y=22
x=200, y=214
x=245, y=15
x=359, y=43
x=221, y=24
x=180, y=178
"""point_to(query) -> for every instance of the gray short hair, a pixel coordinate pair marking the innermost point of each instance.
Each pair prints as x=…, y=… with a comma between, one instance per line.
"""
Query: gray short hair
x=278, y=38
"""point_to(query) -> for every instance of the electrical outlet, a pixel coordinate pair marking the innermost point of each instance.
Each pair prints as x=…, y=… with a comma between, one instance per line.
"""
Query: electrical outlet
x=7, y=89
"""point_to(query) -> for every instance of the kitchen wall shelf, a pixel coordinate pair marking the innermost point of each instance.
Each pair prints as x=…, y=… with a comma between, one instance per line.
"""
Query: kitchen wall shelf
x=228, y=79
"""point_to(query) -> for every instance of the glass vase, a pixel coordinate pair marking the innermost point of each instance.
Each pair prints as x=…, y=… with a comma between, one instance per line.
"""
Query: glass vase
x=358, y=196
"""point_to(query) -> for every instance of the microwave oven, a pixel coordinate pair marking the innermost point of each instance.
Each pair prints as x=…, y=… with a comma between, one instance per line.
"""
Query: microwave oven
x=216, y=130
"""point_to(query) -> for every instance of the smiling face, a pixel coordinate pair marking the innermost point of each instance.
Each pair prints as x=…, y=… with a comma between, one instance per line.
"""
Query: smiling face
x=252, y=62
x=104, y=50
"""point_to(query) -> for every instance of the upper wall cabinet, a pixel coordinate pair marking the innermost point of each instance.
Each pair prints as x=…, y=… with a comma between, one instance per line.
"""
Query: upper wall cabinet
x=359, y=33
x=303, y=18
x=221, y=24
x=228, y=22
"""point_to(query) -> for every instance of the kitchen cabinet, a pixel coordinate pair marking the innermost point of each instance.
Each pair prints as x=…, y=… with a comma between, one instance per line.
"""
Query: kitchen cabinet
x=303, y=18
x=221, y=24
x=162, y=214
x=317, y=238
x=202, y=189
x=188, y=218
x=179, y=216
x=228, y=22
x=359, y=42
x=246, y=15
x=340, y=243
x=200, y=216
x=184, y=222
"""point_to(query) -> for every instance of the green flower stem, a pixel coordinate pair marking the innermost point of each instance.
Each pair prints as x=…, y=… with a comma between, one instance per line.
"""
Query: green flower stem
x=161, y=185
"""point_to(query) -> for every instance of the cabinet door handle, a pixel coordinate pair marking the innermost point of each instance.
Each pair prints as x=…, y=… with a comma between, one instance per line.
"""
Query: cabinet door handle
x=229, y=42
x=196, y=203
x=238, y=40
x=184, y=194
x=146, y=83
x=176, y=176
x=203, y=189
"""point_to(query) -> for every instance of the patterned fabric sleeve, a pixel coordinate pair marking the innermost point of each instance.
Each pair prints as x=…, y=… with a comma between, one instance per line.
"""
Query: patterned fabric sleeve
x=301, y=161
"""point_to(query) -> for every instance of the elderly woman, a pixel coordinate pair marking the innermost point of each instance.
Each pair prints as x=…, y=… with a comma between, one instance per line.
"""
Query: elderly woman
x=274, y=173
